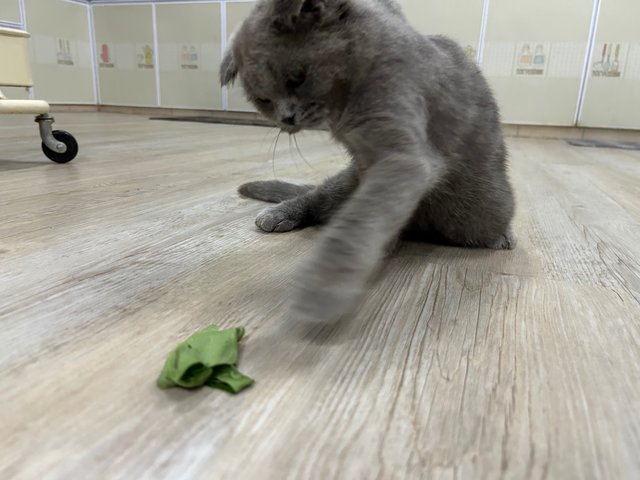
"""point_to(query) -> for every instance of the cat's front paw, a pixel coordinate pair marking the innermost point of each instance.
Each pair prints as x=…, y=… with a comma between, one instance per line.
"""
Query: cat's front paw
x=323, y=294
x=325, y=305
x=278, y=219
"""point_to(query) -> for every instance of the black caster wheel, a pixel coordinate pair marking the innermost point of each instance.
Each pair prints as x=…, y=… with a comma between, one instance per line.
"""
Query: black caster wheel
x=69, y=141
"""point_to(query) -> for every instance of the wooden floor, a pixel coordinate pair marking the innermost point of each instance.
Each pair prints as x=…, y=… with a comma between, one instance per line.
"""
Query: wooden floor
x=460, y=364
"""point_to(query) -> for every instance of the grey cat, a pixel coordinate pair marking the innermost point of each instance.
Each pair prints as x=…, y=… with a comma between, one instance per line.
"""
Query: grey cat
x=417, y=117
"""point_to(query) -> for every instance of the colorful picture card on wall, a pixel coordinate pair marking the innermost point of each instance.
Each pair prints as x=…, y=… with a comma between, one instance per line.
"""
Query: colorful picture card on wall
x=609, y=59
x=106, y=54
x=144, y=56
x=64, y=55
x=532, y=58
x=189, y=57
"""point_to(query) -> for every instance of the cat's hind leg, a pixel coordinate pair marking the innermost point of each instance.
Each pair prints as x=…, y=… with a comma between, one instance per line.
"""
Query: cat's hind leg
x=472, y=219
x=272, y=191
x=505, y=241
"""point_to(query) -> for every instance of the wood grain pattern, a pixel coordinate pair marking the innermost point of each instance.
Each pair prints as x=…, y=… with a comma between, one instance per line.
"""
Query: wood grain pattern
x=459, y=364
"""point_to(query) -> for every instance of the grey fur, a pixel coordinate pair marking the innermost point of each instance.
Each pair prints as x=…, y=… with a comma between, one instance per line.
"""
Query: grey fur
x=416, y=116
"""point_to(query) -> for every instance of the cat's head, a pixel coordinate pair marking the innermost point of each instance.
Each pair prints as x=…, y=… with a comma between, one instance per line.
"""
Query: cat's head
x=291, y=56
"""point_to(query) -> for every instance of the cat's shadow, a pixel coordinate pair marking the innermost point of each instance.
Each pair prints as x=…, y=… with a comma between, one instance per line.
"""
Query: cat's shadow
x=304, y=347
x=9, y=165
x=347, y=328
x=307, y=344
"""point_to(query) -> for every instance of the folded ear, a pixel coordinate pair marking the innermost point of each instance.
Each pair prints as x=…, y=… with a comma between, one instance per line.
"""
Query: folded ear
x=292, y=15
x=228, y=68
x=286, y=12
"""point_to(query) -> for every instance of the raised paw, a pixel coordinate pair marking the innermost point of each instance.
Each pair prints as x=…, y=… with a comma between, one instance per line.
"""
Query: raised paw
x=278, y=219
x=325, y=290
x=322, y=303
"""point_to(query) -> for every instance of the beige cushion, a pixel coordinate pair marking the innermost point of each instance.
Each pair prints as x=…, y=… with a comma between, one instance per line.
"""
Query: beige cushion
x=15, y=67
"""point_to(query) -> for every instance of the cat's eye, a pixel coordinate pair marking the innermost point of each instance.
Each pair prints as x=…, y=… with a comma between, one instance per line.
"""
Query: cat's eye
x=264, y=101
x=296, y=80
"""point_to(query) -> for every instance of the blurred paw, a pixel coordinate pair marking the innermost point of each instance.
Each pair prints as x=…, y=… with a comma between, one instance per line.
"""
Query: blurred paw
x=323, y=295
x=327, y=305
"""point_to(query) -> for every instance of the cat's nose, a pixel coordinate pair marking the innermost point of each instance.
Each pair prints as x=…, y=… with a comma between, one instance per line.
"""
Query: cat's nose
x=290, y=120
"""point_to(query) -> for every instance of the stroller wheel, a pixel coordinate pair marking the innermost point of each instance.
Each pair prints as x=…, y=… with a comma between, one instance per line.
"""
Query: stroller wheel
x=70, y=143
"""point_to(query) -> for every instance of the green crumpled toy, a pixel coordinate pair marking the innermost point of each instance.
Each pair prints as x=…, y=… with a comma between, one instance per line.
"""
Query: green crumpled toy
x=208, y=357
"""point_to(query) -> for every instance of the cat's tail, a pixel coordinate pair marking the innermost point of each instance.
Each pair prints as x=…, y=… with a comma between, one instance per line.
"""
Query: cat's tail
x=273, y=191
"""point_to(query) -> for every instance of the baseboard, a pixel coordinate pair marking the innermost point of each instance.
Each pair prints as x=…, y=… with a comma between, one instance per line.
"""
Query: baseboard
x=72, y=107
x=245, y=117
x=510, y=130
x=572, y=133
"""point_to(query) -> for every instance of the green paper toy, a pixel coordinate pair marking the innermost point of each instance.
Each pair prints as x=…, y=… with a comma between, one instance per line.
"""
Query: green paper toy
x=208, y=357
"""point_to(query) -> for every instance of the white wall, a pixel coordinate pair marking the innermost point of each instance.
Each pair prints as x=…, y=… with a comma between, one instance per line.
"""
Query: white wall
x=507, y=37
x=534, y=58
x=126, y=54
x=61, y=52
x=10, y=12
x=613, y=99
x=60, y=48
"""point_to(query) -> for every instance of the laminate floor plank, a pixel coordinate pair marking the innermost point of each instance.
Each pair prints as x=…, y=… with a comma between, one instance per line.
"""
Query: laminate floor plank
x=458, y=363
